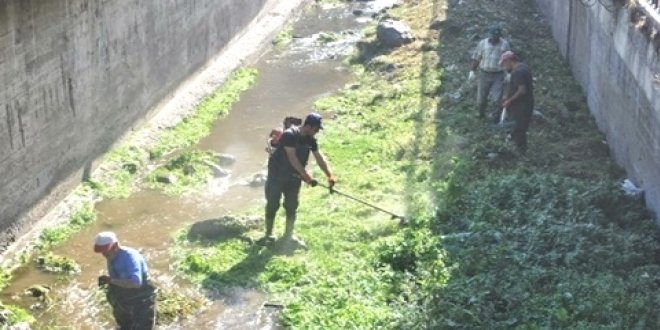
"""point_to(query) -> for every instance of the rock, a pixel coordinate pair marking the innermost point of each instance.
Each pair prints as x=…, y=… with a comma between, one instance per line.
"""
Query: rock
x=130, y=168
x=538, y=116
x=219, y=172
x=392, y=33
x=258, y=180
x=167, y=179
x=226, y=159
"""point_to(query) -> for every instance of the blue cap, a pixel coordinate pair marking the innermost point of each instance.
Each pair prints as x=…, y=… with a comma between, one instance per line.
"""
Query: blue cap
x=313, y=119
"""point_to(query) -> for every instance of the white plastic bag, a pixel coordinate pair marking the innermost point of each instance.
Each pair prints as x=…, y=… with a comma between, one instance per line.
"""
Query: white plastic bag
x=503, y=116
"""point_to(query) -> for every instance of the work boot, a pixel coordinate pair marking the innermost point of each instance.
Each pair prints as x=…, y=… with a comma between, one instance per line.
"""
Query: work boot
x=266, y=240
x=294, y=241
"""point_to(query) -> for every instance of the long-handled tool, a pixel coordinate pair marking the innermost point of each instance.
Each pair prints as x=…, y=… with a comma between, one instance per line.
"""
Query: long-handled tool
x=402, y=219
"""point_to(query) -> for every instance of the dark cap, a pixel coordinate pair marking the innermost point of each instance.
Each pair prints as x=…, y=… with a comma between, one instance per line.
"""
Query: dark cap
x=495, y=31
x=313, y=119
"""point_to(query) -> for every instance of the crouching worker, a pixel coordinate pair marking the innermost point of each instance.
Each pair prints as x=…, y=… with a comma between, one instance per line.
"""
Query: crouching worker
x=129, y=291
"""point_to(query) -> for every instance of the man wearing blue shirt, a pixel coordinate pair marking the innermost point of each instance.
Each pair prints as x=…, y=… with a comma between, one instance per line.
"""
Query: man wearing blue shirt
x=129, y=291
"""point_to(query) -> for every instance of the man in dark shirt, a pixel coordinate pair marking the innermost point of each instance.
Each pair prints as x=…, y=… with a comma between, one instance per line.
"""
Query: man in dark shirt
x=519, y=101
x=286, y=169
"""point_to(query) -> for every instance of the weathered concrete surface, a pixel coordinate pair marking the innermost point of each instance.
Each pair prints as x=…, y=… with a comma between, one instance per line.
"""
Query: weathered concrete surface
x=616, y=64
x=76, y=75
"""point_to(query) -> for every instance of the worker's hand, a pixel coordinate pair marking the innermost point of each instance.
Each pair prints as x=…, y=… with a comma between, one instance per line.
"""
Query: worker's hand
x=331, y=181
x=308, y=180
x=471, y=75
x=104, y=280
x=506, y=104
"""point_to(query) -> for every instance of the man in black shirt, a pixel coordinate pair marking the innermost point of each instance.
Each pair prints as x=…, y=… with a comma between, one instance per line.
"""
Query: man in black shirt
x=519, y=101
x=286, y=169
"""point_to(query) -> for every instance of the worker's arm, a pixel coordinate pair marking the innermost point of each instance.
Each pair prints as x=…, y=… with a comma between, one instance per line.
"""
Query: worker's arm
x=474, y=65
x=320, y=161
x=522, y=90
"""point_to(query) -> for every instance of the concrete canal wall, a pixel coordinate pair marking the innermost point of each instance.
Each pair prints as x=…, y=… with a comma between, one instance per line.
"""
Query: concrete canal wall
x=76, y=75
x=614, y=57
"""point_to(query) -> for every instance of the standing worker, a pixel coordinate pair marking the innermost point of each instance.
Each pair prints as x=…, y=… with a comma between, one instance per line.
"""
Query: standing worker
x=519, y=101
x=129, y=291
x=286, y=169
x=486, y=58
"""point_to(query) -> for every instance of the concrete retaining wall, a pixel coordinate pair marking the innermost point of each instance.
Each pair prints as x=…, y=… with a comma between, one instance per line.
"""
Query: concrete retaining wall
x=75, y=75
x=616, y=64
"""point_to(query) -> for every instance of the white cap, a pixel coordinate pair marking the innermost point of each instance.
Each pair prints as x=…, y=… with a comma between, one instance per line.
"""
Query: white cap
x=104, y=241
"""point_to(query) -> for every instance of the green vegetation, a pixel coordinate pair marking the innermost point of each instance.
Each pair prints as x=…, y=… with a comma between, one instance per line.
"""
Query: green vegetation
x=495, y=241
x=174, y=305
x=189, y=170
x=5, y=277
x=124, y=166
x=57, y=264
x=12, y=315
x=121, y=171
x=284, y=37
x=198, y=125
x=58, y=234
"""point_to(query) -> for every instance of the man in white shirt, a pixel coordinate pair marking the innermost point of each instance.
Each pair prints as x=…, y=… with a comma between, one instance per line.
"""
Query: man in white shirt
x=486, y=58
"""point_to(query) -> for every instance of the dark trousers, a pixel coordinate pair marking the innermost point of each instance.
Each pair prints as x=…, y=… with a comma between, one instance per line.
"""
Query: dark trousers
x=490, y=82
x=134, y=313
x=275, y=188
x=522, y=117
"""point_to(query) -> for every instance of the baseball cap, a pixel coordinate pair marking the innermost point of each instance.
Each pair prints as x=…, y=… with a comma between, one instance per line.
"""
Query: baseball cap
x=104, y=241
x=495, y=31
x=313, y=119
x=508, y=55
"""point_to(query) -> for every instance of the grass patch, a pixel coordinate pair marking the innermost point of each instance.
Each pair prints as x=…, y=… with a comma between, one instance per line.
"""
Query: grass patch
x=198, y=125
x=187, y=171
x=56, y=235
x=283, y=37
x=14, y=315
x=494, y=242
x=343, y=280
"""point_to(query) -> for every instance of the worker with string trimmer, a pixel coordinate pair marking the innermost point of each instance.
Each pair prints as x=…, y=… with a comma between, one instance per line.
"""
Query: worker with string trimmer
x=286, y=170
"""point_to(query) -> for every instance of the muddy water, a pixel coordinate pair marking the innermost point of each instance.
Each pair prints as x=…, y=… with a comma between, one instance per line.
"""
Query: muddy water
x=290, y=79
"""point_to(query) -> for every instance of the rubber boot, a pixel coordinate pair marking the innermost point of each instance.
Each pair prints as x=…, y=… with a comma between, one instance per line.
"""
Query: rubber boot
x=268, y=238
x=288, y=233
x=270, y=221
x=288, y=229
